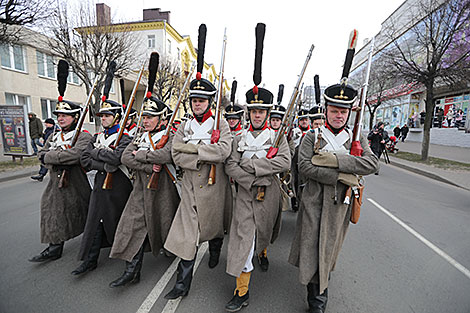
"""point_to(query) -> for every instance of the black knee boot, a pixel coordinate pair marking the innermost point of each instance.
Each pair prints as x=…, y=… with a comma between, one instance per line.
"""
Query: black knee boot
x=316, y=301
x=184, y=276
x=215, y=245
x=132, y=272
x=91, y=261
x=53, y=252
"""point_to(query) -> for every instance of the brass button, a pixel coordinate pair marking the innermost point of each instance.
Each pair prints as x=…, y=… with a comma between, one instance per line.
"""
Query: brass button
x=199, y=175
x=200, y=186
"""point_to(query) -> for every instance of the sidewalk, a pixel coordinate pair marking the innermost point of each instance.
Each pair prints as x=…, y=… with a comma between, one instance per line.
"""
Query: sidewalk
x=438, y=151
x=459, y=178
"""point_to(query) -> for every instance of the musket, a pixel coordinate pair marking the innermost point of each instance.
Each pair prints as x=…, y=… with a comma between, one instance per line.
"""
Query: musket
x=290, y=124
x=215, y=136
x=153, y=181
x=356, y=148
x=277, y=140
x=108, y=181
x=63, y=181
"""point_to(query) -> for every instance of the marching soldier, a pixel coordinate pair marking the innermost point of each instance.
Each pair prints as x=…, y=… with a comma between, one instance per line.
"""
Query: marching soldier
x=106, y=205
x=147, y=216
x=317, y=117
x=304, y=126
x=254, y=222
x=234, y=113
x=200, y=216
x=330, y=170
x=64, y=203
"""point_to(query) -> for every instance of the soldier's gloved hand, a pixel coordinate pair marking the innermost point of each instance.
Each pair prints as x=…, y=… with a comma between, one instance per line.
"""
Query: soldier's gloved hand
x=350, y=180
x=325, y=159
x=110, y=168
x=185, y=147
x=247, y=165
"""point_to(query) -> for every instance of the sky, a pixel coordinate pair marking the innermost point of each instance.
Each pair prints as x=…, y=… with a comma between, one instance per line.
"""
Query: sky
x=291, y=28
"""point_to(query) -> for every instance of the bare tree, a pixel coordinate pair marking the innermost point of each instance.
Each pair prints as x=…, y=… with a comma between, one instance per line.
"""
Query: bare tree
x=426, y=52
x=15, y=13
x=89, y=48
x=381, y=80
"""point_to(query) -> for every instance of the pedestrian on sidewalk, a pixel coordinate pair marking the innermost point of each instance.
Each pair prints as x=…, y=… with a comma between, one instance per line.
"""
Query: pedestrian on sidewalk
x=51, y=127
x=404, y=132
x=450, y=117
x=440, y=116
x=35, y=131
x=459, y=118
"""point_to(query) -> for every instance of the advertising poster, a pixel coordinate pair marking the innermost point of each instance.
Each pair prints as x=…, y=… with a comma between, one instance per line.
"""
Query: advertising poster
x=15, y=130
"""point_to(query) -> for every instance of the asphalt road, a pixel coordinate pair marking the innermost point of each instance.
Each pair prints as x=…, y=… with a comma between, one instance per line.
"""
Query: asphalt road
x=410, y=252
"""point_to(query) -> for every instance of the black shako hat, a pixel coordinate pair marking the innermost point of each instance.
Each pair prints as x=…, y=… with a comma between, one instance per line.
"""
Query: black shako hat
x=233, y=111
x=278, y=111
x=256, y=97
x=201, y=87
x=343, y=95
x=316, y=113
x=64, y=106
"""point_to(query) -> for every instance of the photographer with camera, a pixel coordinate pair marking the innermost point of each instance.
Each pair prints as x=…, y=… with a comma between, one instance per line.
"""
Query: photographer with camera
x=378, y=138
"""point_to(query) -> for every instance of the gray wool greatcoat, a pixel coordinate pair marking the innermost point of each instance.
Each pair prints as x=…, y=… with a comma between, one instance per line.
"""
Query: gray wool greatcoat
x=147, y=212
x=106, y=205
x=64, y=210
x=321, y=224
x=201, y=215
x=251, y=217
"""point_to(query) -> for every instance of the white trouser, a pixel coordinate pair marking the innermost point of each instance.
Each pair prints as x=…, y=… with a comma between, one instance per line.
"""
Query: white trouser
x=249, y=264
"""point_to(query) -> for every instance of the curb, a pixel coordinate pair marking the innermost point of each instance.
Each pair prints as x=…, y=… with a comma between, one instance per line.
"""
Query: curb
x=16, y=174
x=424, y=173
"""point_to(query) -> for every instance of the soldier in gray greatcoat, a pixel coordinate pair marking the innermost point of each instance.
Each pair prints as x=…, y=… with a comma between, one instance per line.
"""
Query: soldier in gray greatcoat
x=63, y=208
x=200, y=216
x=148, y=214
x=324, y=214
x=254, y=223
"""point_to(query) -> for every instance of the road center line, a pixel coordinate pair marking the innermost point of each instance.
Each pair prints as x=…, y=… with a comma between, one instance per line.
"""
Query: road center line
x=172, y=305
x=161, y=284
x=444, y=255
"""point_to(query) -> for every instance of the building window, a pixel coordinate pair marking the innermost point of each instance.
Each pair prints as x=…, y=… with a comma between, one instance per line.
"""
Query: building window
x=151, y=41
x=45, y=64
x=13, y=57
x=13, y=99
x=73, y=78
x=47, y=107
x=169, y=46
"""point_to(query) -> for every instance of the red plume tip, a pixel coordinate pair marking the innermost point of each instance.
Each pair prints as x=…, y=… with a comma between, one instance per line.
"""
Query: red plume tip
x=61, y=98
x=255, y=90
x=103, y=98
x=149, y=94
x=198, y=76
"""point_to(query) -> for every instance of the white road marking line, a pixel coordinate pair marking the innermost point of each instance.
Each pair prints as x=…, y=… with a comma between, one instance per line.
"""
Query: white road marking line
x=441, y=253
x=172, y=305
x=157, y=290
x=161, y=284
